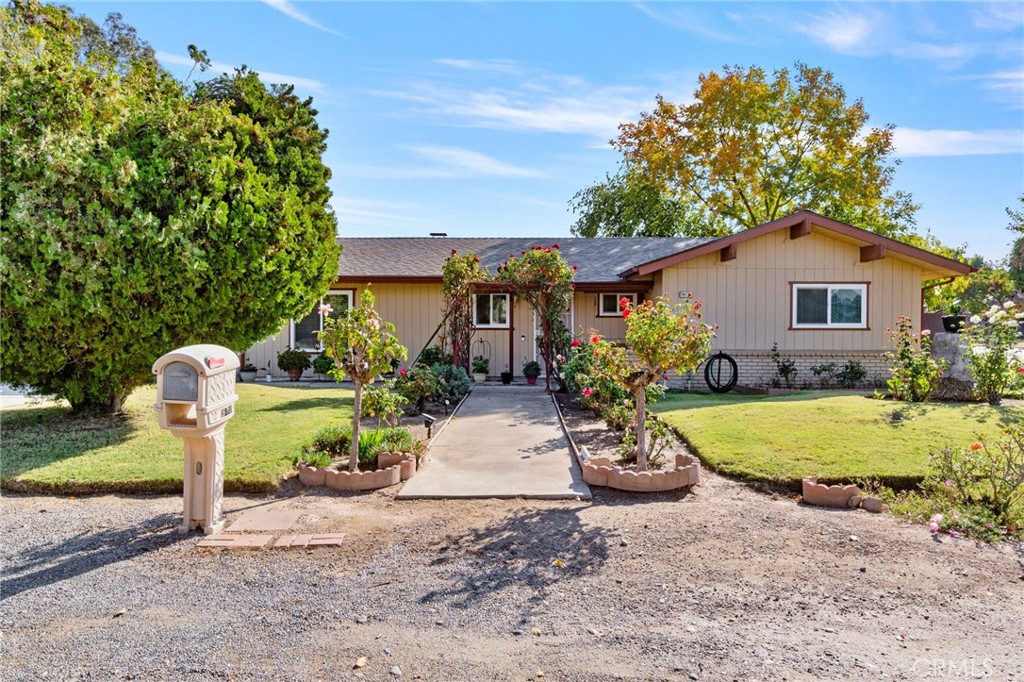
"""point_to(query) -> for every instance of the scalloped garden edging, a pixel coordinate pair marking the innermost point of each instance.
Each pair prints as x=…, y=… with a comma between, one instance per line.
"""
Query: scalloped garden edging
x=601, y=471
x=394, y=468
x=839, y=496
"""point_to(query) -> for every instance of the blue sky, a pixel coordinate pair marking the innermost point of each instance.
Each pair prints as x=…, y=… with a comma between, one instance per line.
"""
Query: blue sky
x=483, y=119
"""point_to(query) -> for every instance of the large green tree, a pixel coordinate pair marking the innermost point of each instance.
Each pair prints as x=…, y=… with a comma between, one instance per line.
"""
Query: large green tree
x=628, y=204
x=140, y=214
x=752, y=148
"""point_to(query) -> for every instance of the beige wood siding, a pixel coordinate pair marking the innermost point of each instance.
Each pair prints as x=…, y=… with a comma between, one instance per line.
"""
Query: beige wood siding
x=587, y=317
x=749, y=297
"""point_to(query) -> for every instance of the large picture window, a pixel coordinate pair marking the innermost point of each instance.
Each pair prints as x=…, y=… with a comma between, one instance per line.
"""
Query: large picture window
x=490, y=310
x=304, y=331
x=609, y=304
x=830, y=306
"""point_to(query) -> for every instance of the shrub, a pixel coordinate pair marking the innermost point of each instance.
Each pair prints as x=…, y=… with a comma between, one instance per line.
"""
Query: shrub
x=335, y=442
x=452, y=382
x=384, y=402
x=915, y=373
x=481, y=365
x=851, y=374
x=983, y=474
x=785, y=370
x=399, y=440
x=991, y=356
x=825, y=373
x=322, y=364
x=291, y=359
x=418, y=384
x=433, y=356
x=332, y=442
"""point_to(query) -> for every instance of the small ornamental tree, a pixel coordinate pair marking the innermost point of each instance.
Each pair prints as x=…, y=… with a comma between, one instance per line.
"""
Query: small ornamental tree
x=660, y=337
x=545, y=280
x=991, y=355
x=362, y=346
x=458, y=275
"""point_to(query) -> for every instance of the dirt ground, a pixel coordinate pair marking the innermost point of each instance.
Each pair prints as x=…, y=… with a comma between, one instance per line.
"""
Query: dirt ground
x=720, y=583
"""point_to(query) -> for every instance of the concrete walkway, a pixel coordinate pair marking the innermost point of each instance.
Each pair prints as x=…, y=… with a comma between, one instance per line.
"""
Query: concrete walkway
x=505, y=441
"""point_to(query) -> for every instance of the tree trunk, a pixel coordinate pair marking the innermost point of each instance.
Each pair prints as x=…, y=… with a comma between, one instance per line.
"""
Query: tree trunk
x=545, y=329
x=641, y=431
x=357, y=405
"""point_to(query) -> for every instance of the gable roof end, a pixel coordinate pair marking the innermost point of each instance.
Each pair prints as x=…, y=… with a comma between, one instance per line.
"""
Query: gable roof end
x=802, y=220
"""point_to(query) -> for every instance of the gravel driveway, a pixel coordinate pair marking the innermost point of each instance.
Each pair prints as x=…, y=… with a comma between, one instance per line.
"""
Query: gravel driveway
x=721, y=584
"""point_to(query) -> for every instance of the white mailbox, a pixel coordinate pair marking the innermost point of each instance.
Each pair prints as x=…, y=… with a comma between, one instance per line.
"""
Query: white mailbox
x=195, y=389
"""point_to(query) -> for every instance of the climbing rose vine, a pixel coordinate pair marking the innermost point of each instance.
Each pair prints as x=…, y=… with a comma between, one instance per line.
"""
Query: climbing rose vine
x=545, y=280
x=458, y=275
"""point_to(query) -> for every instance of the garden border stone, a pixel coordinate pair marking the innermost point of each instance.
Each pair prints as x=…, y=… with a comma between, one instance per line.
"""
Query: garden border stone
x=821, y=495
x=601, y=471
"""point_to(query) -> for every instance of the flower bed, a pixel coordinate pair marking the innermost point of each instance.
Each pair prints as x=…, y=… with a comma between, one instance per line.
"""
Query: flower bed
x=393, y=467
x=601, y=471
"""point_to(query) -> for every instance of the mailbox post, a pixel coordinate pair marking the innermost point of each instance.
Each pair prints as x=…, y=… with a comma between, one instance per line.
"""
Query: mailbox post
x=195, y=388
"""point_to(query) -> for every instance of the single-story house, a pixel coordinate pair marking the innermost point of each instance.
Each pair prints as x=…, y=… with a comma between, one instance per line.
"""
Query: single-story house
x=824, y=291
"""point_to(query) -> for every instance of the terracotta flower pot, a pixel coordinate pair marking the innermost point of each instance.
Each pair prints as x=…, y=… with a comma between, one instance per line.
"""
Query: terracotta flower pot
x=295, y=374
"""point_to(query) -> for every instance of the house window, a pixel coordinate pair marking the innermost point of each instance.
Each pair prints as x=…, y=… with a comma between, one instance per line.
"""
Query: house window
x=490, y=310
x=610, y=304
x=830, y=306
x=304, y=331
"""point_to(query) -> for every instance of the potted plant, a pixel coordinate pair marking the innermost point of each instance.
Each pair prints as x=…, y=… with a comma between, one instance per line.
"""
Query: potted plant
x=481, y=366
x=248, y=373
x=322, y=364
x=506, y=376
x=531, y=371
x=293, y=361
x=954, y=319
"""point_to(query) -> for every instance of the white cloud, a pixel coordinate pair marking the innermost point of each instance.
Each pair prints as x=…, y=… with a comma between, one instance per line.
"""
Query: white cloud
x=1005, y=16
x=546, y=105
x=911, y=142
x=444, y=163
x=492, y=65
x=841, y=30
x=1008, y=82
x=460, y=160
x=290, y=10
x=357, y=211
x=266, y=76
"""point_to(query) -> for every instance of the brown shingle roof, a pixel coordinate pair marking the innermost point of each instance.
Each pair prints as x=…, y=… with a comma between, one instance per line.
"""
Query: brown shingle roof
x=599, y=259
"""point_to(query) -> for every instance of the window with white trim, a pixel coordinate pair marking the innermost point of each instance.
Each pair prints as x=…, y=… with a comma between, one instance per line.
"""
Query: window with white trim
x=610, y=304
x=304, y=331
x=830, y=306
x=490, y=311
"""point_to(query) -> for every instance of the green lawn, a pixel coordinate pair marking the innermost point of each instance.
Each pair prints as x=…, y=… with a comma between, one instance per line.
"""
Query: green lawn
x=45, y=449
x=838, y=437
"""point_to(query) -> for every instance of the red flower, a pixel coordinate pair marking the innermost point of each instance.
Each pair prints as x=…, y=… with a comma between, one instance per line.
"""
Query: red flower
x=575, y=343
x=665, y=377
x=587, y=392
x=595, y=338
x=547, y=250
x=1020, y=370
x=626, y=313
x=975, y=446
x=475, y=259
x=554, y=246
x=623, y=302
x=454, y=251
x=403, y=371
x=574, y=268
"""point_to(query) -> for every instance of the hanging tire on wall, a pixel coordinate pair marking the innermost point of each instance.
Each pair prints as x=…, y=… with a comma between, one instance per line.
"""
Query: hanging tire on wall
x=721, y=373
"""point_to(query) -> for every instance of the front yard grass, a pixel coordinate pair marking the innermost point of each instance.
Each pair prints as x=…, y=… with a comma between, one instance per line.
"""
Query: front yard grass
x=838, y=437
x=45, y=449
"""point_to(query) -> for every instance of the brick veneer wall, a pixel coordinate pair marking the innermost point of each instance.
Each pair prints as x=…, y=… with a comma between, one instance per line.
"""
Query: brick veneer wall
x=756, y=368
